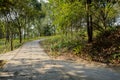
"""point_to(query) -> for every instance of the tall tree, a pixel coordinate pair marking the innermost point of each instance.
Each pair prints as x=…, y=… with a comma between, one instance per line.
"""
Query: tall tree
x=89, y=20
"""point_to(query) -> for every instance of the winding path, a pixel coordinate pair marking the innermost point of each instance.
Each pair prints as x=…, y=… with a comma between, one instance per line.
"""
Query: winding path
x=30, y=62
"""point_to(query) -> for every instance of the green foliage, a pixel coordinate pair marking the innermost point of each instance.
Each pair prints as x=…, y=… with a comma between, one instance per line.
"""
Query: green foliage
x=61, y=44
x=17, y=19
x=77, y=50
x=104, y=14
x=116, y=56
x=5, y=47
x=47, y=31
x=69, y=19
x=65, y=17
x=66, y=14
x=105, y=48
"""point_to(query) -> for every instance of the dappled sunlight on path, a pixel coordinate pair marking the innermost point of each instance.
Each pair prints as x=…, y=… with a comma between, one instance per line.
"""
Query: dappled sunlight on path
x=30, y=62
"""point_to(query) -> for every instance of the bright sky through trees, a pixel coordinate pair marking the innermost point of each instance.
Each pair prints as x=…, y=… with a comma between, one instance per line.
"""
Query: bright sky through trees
x=43, y=0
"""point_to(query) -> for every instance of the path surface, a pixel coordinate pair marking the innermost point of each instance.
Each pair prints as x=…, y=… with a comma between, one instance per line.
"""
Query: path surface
x=30, y=62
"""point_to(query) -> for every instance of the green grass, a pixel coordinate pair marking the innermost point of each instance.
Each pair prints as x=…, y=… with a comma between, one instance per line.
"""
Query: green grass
x=59, y=44
x=6, y=47
x=2, y=45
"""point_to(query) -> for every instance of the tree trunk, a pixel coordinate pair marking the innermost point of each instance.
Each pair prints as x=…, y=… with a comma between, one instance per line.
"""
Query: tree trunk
x=7, y=31
x=7, y=35
x=19, y=30
x=20, y=34
x=11, y=41
x=89, y=21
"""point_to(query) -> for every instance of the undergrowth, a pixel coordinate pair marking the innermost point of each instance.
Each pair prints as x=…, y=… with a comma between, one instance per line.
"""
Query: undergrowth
x=105, y=47
x=57, y=45
x=4, y=47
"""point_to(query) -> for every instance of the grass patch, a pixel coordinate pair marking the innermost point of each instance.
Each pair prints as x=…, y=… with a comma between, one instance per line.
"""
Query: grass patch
x=60, y=45
x=5, y=47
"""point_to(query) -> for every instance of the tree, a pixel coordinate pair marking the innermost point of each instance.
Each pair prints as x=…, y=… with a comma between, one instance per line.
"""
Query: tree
x=89, y=20
x=17, y=17
x=67, y=16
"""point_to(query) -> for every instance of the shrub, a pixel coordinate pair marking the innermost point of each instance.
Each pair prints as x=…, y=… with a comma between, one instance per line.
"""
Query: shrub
x=106, y=47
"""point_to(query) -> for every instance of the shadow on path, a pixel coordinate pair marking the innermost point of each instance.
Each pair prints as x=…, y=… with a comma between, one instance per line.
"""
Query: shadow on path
x=31, y=63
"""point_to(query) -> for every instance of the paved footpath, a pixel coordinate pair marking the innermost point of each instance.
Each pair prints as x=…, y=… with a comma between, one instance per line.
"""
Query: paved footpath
x=30, y=62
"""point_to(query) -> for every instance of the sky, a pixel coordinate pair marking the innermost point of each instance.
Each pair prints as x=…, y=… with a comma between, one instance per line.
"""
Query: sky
x=43, y=0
